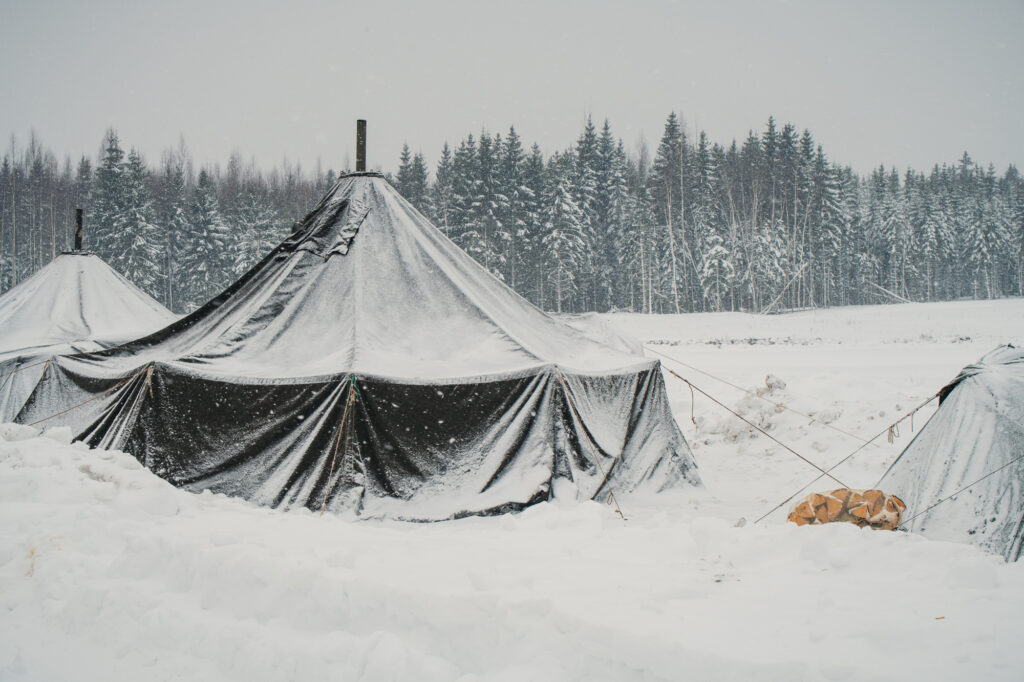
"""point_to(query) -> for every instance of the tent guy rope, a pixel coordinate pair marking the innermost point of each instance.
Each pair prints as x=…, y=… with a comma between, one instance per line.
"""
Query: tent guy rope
x=777, y=405
x=966, y=487
x=752, y=424
x=8, y=375
x=887, y=430
x=105, y=393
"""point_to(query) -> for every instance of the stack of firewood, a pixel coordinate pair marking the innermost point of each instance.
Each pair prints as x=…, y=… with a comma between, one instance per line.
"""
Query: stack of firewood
x=862, y=507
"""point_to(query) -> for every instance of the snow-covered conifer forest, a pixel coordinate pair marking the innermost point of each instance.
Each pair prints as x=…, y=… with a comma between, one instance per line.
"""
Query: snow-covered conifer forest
x=765, y=223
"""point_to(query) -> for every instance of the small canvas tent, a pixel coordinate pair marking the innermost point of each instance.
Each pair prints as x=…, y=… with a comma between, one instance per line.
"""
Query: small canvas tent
x=368, y=364
x=972, y=449
x=75, y=303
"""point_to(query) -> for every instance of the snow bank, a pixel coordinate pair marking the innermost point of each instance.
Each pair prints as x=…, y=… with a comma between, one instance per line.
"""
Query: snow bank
x=109, y=573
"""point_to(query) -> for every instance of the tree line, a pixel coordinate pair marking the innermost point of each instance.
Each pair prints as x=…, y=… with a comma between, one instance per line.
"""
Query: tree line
x=769, y=223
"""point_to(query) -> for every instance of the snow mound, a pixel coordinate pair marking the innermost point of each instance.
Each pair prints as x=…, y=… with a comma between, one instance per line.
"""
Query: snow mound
x=130, y=578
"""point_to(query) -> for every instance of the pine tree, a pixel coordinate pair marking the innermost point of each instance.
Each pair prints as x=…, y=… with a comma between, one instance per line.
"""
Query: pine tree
x=137, y=246
x=717, y=273
x=564, y=244
x=513, y=205
x=666, y=192
x=108, y=199
x=258, y=231
x=463, y=181
x=172, y=216
x=443, y=190
x=483, y=236
x=419, y=185
x=639, y=243
x=204, y=262
x=533, y=216
x=8, y=261
x=403, y=180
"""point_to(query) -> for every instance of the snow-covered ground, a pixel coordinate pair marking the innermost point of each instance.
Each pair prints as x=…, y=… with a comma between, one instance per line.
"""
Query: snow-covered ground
x=108, y=573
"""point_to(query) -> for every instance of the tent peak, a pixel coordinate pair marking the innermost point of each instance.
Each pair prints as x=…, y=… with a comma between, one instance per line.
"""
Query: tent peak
x=361, y=174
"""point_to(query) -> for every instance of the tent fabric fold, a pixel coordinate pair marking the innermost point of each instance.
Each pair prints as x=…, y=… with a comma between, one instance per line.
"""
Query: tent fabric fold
x=972, y=449
x=369, y=366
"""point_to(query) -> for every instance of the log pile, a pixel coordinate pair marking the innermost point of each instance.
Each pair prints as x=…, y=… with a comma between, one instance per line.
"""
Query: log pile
x=872, y=508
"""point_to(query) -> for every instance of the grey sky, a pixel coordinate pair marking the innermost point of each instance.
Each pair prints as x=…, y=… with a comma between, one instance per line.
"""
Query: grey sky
x=904, y=83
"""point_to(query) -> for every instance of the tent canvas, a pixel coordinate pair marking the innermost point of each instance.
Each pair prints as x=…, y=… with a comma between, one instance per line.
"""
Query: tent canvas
x=972, y=449
x=368, y=364
x=75, y=303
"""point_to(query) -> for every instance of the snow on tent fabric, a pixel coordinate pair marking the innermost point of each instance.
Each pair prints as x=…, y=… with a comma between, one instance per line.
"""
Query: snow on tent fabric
x=977, y=433
x=76, y=303
x=369, y=365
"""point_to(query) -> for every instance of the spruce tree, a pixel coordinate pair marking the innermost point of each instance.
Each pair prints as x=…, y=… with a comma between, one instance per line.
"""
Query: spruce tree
x=108, y=199
x=443, y=190
x=172, y=215
x=403, y=180
x=666, y=192
x=204, y=262
x=513, y=205
x=137, y=245
x=564, y=244
x=257, y=232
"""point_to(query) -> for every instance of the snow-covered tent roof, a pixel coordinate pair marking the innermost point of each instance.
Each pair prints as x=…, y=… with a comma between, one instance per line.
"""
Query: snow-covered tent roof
x=971, y=448
x=400, y=300
x=75, y=303
x=469, y=398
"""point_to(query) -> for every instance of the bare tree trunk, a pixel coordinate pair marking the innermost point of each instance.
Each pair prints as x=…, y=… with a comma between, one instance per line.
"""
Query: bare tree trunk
x=14, y=227
x=682, y=211
x=558, y=287
x=643, y=273
x=672, y=253
x=53, y=228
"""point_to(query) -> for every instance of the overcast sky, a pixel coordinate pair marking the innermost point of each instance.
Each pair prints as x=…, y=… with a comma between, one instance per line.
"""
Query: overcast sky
x=899, y=83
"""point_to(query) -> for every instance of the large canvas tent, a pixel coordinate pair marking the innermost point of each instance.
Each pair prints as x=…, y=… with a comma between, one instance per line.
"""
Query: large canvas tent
x=368, y=364
x=973, y=450
x=75, y=303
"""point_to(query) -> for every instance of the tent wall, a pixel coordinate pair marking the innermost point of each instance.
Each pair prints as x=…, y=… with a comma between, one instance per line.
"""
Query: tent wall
x=423, y=451
x=18, y=378
x=970, y=449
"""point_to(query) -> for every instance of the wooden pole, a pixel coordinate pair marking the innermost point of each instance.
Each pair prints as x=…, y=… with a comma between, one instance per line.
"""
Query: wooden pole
x=361, y=146
x=78, y=229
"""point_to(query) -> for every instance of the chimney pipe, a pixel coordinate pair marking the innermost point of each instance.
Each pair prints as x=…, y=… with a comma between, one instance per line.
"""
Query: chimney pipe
x=78, y=229
x=361, y=146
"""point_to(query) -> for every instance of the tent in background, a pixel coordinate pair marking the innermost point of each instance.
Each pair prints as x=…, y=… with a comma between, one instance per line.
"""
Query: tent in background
x=368, y=364
x=76, y=303
x=975, y=437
